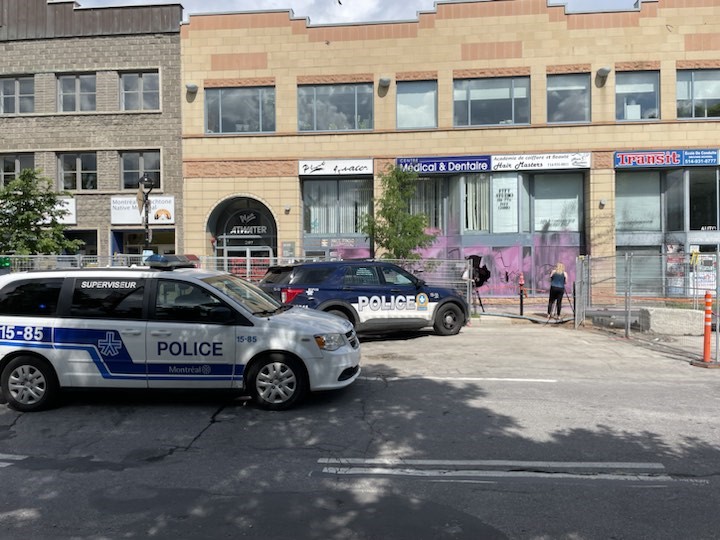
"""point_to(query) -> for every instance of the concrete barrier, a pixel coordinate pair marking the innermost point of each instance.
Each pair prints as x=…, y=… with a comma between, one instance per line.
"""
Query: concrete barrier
x=675, y=322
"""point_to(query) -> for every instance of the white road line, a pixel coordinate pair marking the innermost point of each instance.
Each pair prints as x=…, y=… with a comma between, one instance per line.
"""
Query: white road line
x=392, y=462
x=426, y=473
x=12, y=457
x=9, y=457
x=454, y=379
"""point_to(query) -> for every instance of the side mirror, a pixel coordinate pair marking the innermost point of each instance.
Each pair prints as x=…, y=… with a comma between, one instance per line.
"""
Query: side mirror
x=221, y=315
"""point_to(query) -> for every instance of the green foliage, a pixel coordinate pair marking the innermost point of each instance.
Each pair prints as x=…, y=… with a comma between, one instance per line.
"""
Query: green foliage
x=392, y=228
x=29, y=214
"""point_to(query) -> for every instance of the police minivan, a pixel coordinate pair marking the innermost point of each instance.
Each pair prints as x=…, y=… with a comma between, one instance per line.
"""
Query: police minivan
x=163, y=326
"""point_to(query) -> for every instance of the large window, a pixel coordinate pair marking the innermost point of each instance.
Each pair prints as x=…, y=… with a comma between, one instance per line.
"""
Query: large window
x=429, y=199
x=698, y=93
x=492, y=203
x=416, y=104
x=78, y=171
x=568, y=98
x=675, y=200
x=557, y=202
x=703, y=199
x=140, y=91
x=480, y=102
x=638, y=206
x=637, y=95
x=335, y=206
x=76, y=93
x=335, y=107
x=477, y=202
x=137, y=164
x=13, y=165
x=240, y=110
x=17, y=95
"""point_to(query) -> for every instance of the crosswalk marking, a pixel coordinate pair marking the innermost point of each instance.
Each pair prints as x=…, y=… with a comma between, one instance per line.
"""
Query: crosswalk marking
x=459, y=469
x=454, y=379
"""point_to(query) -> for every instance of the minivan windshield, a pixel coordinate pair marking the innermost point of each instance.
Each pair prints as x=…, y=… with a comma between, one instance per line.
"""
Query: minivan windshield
x=245, y=293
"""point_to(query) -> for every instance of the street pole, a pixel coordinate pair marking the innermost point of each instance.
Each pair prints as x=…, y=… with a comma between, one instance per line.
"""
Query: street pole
x=146, y=184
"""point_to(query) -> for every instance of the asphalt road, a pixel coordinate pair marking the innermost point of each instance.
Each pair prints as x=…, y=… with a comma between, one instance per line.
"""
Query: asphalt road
x=514, y=431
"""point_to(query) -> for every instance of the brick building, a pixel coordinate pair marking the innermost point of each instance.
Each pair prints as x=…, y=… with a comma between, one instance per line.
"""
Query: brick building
x=539, y=135
x=91, y=98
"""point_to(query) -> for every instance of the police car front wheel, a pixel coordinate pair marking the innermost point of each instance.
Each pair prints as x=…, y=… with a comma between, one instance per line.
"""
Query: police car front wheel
x=448, y=320
x=29, y=384
x=277, y=382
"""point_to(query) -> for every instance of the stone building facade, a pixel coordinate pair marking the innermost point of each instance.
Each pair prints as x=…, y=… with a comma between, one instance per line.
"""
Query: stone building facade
x=91, y=98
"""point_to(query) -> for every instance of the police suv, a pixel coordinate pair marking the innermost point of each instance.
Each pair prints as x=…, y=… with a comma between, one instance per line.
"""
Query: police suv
x=376, y=296
x=163, y=326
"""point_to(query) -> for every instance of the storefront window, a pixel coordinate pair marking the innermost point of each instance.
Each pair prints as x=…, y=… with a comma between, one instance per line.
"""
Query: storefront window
x=335, y=206
x=703, y=199
x=557, y=202
x=698, y=93
x=505, y=203
x=429, y=199
x=335, y=107
x=637, y=95
x=503, y=100
x=477, y=202
x=675, y=200
x=417, y=104
x=638, y=201
x=568, y=98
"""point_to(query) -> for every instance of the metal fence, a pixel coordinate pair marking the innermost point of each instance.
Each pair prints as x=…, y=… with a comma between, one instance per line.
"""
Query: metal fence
x=657, y=298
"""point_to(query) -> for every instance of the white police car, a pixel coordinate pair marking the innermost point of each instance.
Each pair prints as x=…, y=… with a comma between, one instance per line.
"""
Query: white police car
x=163, y=327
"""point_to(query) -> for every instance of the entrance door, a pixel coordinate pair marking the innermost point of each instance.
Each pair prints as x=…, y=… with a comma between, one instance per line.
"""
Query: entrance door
x=248, y=262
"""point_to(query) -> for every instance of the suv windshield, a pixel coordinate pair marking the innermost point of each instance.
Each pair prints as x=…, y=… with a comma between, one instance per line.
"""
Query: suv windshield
x=244, y=293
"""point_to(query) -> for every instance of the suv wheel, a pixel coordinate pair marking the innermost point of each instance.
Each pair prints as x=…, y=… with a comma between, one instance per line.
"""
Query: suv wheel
x=448, y=320
x=276, y=382
x=29, y=384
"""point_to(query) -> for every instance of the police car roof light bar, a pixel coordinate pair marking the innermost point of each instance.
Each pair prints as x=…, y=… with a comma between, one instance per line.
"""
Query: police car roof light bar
x=169, y=262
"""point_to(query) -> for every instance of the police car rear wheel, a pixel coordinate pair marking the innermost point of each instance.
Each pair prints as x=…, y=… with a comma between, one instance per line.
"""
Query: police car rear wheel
x=448, y=321
x=277, y=382
x=29, y=384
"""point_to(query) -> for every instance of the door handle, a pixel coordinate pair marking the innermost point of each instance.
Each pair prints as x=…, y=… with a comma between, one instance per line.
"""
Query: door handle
x=163, y=333
x=130, y=332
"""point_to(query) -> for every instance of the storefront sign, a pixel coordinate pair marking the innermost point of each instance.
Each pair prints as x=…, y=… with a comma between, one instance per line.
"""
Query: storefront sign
x=445, y=165
x=666, y=158
x=505, y=197
x=335, y=167
x=69, y=206
x=532, y=162
x=125, y=211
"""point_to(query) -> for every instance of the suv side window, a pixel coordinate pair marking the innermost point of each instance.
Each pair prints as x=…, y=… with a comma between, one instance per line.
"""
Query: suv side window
x=107, y=298
x=396, y=276
x=361, y=275
x=31, y=298
x=184, y=302
x=313, y=275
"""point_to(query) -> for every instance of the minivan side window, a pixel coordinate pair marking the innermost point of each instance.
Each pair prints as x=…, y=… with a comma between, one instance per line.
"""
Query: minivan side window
x=184, y=302
x=108, y=298
x=31, y=298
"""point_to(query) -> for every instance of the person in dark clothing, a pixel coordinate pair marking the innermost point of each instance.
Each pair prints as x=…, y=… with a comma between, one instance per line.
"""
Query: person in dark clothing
x=558, y=279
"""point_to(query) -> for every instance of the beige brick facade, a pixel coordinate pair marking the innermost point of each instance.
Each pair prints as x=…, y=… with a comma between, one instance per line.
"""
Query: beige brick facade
x=459, y=40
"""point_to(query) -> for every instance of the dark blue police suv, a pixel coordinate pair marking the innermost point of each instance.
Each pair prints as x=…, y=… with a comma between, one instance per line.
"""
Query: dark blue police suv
x=375, y=296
